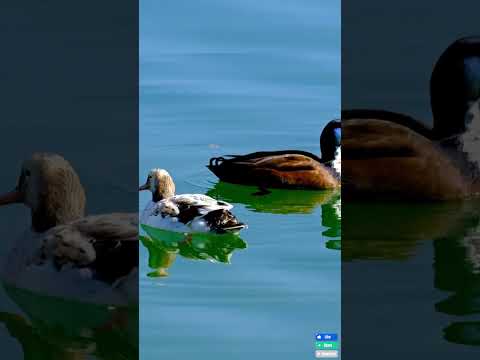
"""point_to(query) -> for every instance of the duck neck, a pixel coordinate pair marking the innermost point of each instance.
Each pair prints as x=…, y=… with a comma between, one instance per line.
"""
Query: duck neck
x=332, y=158
x=156, y=197
x=328, y=157
x=330, y=141
x=44, y=218
x=159, y=195
x=42, y=221
x=58, y=207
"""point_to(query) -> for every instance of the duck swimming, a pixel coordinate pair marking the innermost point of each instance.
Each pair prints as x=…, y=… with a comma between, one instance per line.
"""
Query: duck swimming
x=187, y=213
x=393, y=156
x=291, y=169
x=66, y=254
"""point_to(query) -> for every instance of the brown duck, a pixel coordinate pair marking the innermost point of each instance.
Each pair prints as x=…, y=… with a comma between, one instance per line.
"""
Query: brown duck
x=288, y=169
x=392, y=156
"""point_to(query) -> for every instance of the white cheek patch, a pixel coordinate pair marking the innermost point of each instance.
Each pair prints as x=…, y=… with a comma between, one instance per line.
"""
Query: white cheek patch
x=337, y=162
x=471, y=138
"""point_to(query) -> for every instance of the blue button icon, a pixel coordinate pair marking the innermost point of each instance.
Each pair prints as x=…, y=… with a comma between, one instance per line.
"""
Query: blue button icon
x=326, y=337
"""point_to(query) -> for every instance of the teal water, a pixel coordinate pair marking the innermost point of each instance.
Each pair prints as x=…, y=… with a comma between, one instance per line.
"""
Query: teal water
x=413, y=271
x=222, y=77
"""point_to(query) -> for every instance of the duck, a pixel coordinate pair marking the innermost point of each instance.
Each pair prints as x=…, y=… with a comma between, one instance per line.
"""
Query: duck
x=186, y=213
x=286, y=169
x=392, y=156
x=65, y=253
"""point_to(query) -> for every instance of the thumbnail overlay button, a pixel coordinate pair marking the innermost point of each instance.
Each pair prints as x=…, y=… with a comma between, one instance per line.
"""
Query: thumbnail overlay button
x=322, y=354
x=326, y=337
x=326, y=345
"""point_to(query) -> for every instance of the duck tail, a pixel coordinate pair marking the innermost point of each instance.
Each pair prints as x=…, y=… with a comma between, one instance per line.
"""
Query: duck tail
x=215, y=162
x=222, y=221
x=217, y=166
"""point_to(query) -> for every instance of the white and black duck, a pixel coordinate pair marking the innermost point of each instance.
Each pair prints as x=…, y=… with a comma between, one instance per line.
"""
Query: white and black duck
x=64, y=253
x=187, y=213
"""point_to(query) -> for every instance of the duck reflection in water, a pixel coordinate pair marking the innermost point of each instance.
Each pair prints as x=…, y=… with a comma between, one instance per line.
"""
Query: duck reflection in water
x=398, y=234
x=277, y=201
x=332, y=221
x=282, y=201
x=59, y=329
x=164, y=246
x=457, y=271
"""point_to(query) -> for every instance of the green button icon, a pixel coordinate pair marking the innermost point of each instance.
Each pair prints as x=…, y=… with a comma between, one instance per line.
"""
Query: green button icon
x=326, y=345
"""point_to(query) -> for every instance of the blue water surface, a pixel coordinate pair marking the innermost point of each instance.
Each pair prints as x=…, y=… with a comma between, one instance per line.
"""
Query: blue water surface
x=226, y=77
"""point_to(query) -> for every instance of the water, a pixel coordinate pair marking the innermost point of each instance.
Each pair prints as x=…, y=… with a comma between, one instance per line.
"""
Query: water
x=223, y=77
x=412, y=270
x=59, y=96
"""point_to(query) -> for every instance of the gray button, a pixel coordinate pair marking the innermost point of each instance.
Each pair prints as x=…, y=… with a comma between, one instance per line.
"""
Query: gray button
x=326, y=354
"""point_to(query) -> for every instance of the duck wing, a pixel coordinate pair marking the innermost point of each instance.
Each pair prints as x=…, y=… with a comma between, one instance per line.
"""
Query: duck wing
x=109, y=227
x=383, y=158
x=105, y=244
x=263, y=154
x=394, y=117
x=192, y=206
x=199, y=200
x=205, y=214
x=276, y=169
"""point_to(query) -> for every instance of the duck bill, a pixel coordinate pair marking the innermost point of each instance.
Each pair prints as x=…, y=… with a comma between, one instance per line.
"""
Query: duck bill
x=11, y=198
x=143, y=187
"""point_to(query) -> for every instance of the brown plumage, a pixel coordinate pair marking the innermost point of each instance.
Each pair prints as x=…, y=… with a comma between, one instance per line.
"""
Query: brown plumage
x=382, y=159
x=281, y=169
x=390, y=155
x=290, y=169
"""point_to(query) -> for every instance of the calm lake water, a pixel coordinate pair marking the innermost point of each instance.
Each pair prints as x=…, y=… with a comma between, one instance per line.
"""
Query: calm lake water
x=223, y=77
x=412, y=272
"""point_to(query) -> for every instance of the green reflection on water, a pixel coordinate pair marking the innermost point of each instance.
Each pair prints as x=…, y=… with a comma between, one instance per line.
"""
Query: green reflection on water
x=332, y=220
x=163, y=247
x=276, y=202
x=457, y=271
x=280, y=201
x=393, y=232
x=55, y=328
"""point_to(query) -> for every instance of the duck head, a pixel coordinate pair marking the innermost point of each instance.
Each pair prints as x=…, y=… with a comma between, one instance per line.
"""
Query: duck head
x=455, y=87
x=330, y=140
x=49, y=186
x=160, y=184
